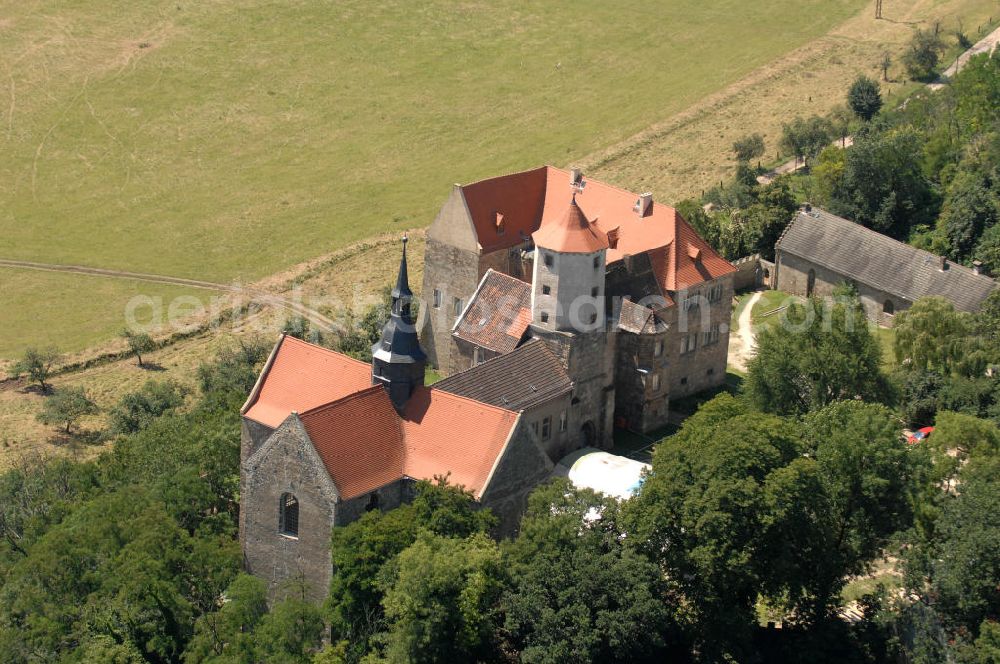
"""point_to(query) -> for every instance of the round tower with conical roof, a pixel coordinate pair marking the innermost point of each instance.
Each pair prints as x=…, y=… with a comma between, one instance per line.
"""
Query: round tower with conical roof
x=398, y=361
x=568, y=277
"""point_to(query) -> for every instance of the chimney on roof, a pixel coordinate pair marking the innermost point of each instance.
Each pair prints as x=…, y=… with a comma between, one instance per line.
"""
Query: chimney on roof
x=575, y=176
x=807, y=206
x=977, y=267
x=944, y=263
x=644, y=204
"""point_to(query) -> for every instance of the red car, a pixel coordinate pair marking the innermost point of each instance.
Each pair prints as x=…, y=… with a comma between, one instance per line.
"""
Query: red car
x=919, y=435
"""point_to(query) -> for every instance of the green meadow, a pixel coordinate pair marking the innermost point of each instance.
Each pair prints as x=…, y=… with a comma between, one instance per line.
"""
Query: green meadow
x=229, y=139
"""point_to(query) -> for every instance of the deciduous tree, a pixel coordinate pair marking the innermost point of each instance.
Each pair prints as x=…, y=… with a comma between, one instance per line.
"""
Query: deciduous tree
x=37, y=365
x=820, y=352
x=66, y=407
x=138, y=343
x=864, y=98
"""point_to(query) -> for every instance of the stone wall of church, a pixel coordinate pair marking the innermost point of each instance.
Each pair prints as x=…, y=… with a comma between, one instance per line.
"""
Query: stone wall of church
x=640, y=404
x=454, y=273
x=384, y=498
x=287, y=463
x=793, y=278
x=522, y=467
x=461, y=355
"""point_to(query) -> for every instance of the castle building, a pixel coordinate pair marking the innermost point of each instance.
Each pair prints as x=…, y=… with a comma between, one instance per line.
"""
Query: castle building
x=620, y=287
x=561, y=308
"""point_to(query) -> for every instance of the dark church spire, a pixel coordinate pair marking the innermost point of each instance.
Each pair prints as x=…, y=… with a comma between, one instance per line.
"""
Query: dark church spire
x=398, y=361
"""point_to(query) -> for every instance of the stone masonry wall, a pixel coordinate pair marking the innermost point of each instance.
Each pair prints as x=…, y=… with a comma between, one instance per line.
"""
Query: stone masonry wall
x=705, y=367
x=589, y=359
x=455, y=273
x=287, y=463
x=522, y=467
x=793, y=278
x=638, y=406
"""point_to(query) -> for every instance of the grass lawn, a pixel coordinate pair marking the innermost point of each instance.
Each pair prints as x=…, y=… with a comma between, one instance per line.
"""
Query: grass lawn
x=72, y=312
x=230, y=140
x=886, y=338
x=765, y=314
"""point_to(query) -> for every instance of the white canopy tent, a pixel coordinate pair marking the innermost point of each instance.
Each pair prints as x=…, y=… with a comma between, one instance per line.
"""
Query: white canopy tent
x=610, y=474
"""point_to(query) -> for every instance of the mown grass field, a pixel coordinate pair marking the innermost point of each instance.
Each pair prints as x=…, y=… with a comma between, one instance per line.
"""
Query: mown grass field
x=232, y=139
x=48, y=308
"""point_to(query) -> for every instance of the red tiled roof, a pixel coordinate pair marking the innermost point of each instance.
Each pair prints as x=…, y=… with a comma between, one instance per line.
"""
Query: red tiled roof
x=360, y=440
x=302, y=376
x=365, y=444
x=525, y=199
x=498, y=314
x=570, y=232
x=448, y=433
x=517, y=197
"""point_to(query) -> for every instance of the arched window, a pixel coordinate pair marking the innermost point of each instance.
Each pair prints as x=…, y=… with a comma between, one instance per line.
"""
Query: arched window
x=888, y=307
x=288, y=521
x=811, y=283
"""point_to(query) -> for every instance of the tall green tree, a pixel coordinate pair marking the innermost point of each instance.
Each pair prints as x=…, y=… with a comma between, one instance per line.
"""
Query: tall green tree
x=361, y=549
x=805, y=137
x=882, y=185
x=440, y=599
x=922, y=54
x=969, y=208
x=821, y=352
x=868, y=479
x=749, y=147
x=579, y=590
x=864, y=98
x=932, y=335
x=706, y=515
x=136, y=410
x=138, y=343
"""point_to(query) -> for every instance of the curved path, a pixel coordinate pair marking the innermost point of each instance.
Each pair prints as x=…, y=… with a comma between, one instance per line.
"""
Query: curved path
x=741, y=344
x=260, y=296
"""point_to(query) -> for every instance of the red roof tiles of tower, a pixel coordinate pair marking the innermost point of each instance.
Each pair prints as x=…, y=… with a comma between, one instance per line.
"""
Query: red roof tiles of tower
x=300, y=376
x=570, y=232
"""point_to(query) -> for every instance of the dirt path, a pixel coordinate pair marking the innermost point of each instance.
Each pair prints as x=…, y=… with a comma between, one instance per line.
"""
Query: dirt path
x=984, y=45
x=741, y=344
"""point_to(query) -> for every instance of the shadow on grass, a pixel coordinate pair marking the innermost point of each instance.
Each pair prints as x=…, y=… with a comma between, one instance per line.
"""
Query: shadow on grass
x=77, y=439
x=152, y=366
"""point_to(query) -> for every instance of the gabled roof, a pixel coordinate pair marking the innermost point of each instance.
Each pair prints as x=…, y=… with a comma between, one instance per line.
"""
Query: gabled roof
x=525, y=199
x=878, y=261
x=300, y=376
x=360, y=440
x=570, y=232
x=445, y=432
x=638, y=319
x=363, y=442
x=498, y=313
x=525, y=377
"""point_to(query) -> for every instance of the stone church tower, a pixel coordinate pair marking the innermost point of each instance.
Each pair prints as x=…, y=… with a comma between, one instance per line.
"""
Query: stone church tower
x=398, y=362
